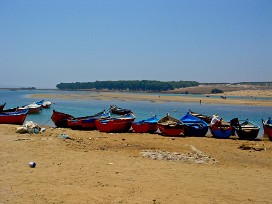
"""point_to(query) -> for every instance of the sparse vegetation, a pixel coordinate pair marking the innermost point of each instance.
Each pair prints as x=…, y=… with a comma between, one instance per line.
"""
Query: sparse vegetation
x=216, y=91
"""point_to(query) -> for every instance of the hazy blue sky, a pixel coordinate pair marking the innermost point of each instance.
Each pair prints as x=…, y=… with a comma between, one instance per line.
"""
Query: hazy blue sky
x=45, y=42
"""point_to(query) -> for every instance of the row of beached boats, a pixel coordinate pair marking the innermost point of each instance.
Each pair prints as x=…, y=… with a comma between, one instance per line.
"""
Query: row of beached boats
x=18, y=115
x=192, y=124
x=117, y=119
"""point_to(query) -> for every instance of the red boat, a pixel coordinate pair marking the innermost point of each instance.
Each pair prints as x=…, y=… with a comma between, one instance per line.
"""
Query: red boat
x=17, y=117
x=267, y=126
x=2, y=106
x=171, y=126
x=117, y=124
x=146, y=126
x=61, y=119
x=87, y=122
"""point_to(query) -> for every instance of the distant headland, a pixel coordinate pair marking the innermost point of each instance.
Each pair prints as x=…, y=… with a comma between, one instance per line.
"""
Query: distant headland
x=153, y=86
x=178, y=87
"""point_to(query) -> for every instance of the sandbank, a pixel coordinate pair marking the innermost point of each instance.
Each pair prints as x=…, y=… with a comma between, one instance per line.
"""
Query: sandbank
x=157, y=98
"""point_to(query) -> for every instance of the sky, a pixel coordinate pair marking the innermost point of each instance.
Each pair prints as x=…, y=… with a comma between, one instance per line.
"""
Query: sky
x=46, y=42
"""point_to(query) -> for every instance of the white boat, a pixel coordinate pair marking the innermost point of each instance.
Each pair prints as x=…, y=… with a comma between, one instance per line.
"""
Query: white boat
x=33, y=108
x=46, y=104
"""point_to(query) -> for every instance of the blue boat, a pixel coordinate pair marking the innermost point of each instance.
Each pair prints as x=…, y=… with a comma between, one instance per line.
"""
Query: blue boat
x=194, y=126
x=221, y=130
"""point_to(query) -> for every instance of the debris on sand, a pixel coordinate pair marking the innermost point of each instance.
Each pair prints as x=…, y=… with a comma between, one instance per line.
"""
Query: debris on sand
x=196, y=156
x=253, y=147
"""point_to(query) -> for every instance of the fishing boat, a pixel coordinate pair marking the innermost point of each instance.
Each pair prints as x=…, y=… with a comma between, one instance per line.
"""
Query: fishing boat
x=120, y=123
x=221, y=129
x=267, y=126
x=16, y=109
x=171, y=126
x=87, y=122
x=17, y=117
x=2, y=106
x=247, y=130
x=33, y=108
x=61, y=119
x=44, y=104
x=194, y=126
x=149, y=125
x=119, y=111
x=205, y=118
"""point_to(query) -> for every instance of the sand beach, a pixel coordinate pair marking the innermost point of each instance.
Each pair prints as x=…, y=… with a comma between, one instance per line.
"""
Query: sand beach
x=95, y=167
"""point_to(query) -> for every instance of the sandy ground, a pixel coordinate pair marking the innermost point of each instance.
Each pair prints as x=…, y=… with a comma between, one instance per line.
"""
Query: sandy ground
x=94, y=167
x=165, y=98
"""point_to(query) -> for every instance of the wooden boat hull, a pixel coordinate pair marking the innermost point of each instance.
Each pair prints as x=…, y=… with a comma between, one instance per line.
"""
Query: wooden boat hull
x=144, y=127
x=246, y=130
x=149, y=125
x=169, y=130
x=60, y=119
x=171, y=126
x=267, y=126
x=34, y=110
x=121, y=124
x=195, y=130
x=247, y=134
x=114, y=125
x=221, y=133
x=17, y=118
x=79, y=124
x=88, y=122
x=194, y=126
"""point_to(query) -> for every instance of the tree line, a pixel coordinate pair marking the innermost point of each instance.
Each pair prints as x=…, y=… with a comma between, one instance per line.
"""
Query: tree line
x=130, y=85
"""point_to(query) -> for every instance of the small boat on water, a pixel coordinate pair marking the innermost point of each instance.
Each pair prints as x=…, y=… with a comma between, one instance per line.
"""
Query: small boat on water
x=87, y=122
x=44, y=104
x=205, y=118
x=267, y=126
x=149, y=125
x=119, y=111
x=17, y=117
x=246, y=130
x=61, y=119
x=194, y=126
x=220, y=129
x=120, y=123
x=2, y=106
x=171, y=126
x=33, y=108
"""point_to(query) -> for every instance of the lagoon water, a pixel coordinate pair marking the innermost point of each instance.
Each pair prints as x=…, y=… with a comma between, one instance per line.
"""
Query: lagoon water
x=142, y=109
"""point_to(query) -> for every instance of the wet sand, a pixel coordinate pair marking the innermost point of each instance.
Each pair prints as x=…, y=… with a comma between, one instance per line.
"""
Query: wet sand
x=165, y=98
x=95, y=167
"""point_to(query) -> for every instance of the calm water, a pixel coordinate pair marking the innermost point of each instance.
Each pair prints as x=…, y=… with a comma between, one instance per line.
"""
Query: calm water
x=142, y=109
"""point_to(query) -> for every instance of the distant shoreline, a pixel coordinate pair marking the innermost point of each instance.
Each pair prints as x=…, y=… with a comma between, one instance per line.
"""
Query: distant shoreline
x=161, y=97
